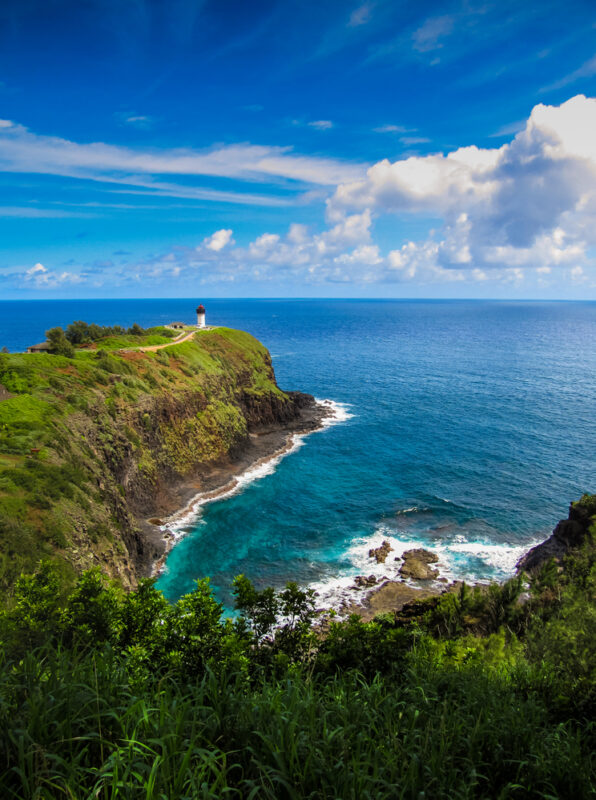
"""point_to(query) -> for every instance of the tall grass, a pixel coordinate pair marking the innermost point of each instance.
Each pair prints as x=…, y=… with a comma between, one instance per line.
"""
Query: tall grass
x=74, y=727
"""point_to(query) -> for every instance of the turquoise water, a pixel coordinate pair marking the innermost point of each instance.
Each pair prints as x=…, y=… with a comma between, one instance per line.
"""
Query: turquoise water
x=467, y=427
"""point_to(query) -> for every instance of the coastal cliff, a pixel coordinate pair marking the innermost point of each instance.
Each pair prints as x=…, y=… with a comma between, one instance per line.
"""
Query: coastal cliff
x=569, y=534
x=92, y=446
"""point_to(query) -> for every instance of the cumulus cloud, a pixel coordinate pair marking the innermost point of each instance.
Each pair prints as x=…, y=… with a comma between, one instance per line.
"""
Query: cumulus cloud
x=40, y=277
x=527, y=206
x=218, y=240
x=531, y=202
x=35, y=270
x=321, y=124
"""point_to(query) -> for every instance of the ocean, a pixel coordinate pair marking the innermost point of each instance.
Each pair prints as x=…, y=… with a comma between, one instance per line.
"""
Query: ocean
x=463, y=426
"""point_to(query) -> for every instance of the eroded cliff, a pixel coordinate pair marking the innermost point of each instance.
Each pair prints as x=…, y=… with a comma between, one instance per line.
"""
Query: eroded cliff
x=92, y=445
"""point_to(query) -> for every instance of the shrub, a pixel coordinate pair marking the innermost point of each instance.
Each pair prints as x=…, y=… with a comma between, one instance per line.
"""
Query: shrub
x=59, y=344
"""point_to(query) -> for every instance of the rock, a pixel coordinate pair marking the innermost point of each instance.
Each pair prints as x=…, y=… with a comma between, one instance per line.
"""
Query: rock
x=414, y=568
x=568, y=534
x=427, y=556
x=380, y=553
x=389, y=597
x=155, y=521
x=416, y=565
x=362, y=582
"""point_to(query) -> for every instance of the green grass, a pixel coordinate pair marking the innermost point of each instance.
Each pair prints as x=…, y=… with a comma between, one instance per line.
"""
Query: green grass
x=126, y=342
x=454, y=735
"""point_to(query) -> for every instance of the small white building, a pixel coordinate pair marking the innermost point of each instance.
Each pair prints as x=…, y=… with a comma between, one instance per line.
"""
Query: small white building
x=201, y=316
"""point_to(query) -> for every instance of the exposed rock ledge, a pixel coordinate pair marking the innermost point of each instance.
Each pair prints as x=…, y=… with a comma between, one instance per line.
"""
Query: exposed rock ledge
x=568, y=534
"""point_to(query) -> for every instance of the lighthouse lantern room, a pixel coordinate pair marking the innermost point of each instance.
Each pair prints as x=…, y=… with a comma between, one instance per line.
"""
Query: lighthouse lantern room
x=201, y=316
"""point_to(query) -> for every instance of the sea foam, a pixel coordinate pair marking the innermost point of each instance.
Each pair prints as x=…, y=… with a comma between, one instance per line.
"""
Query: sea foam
x=459, y=559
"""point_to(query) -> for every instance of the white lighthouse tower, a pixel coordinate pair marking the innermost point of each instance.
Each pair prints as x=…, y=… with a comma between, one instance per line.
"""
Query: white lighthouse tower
x=201, y=316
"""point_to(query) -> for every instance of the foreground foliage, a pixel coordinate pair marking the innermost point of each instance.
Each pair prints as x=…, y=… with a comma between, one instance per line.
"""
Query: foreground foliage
x=480, y=693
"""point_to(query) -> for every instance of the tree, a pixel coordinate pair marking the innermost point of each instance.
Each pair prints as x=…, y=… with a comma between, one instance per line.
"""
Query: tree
x=5, y=350
x=77, y=332
x=59, y=344
x=136, y=330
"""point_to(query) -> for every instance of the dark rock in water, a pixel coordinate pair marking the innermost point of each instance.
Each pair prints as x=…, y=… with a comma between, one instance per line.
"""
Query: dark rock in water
x=362, y=582
x=568, y=534
x=416, y=565
x=380, y=553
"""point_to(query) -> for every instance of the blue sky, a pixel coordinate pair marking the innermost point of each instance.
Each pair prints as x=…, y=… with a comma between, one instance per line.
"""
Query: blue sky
x=376, y=149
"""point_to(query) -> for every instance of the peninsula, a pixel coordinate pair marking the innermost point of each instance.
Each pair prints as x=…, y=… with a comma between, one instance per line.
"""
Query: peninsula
x=124, y=428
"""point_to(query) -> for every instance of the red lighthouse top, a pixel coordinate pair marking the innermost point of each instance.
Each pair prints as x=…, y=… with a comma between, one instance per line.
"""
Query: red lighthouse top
x=201, y=309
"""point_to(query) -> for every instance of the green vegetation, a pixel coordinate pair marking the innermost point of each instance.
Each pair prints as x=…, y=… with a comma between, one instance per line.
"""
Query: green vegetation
x=80, y=332
x=59, y=344
x=115, y=337
x=88, y=438
x=471, y=695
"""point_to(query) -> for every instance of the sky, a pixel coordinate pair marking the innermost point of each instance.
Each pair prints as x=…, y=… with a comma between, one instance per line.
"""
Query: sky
x=292, y=148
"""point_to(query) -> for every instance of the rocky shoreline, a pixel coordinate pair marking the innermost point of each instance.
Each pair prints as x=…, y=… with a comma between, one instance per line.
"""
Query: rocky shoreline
x=263, y=444
x=418, y=579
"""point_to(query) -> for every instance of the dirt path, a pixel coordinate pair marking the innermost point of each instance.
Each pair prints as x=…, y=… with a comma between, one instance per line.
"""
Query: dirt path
x=153, y=347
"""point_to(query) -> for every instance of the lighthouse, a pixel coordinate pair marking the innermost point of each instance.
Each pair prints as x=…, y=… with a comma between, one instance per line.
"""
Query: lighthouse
x=201, y=316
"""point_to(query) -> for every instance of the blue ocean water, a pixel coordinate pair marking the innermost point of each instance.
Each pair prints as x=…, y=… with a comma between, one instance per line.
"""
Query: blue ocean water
x=468, y=428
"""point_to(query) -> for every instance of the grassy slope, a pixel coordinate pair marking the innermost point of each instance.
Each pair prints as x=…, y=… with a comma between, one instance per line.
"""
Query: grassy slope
x=107, y=426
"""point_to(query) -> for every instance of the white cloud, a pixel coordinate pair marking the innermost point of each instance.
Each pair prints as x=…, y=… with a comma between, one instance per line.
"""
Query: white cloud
x=429, y=35
x=38, y=213
x=360, y=15
x=392, y=129
x=42, y=278
x=408, y=140
x=24, y=151
x=510, y=129
x=218, y=240
x=321, y=124
x=36, y=269
x=139, y=121
x=6, y=123
x=531, y=202
x=587, y=70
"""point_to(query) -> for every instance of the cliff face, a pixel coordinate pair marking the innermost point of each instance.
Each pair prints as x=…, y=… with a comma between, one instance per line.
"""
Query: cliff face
x=88, y=445
x=569, y=534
